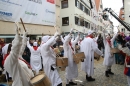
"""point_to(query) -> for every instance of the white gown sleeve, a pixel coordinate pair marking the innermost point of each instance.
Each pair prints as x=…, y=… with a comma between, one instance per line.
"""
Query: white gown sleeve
x=24, y=43
x=62, y=39
x=28, y=45
x=66, y=41
x=113, y=39
x=95, y=48
x=76, y=40
x=104, y=39
x=50, y=42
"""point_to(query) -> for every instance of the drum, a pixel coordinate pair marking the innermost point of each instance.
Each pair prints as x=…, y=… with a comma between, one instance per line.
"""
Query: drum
x=115, y=50
x=40, y=80
x=96, y=56
x=78, y=57
x=61, y=61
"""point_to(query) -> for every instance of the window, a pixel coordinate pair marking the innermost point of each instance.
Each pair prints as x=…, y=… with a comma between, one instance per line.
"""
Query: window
x=64, y=4
x=65, y=21
x=77, y=21
x=81, y=22
x=84, y=8
x=77, y=3
x=87, y=11
x=87, y=24
x=81, y=6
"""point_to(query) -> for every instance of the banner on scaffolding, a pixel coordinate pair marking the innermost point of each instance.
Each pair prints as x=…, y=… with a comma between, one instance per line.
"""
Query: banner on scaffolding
x=31, y=11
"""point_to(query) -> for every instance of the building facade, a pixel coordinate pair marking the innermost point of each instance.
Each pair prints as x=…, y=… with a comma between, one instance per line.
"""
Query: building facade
x=80, y=15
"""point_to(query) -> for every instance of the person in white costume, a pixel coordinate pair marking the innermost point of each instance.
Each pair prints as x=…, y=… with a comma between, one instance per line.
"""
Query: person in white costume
x=15, y=65
x=49, y=59
x=69, y=50
x=88, y=46
x=35, y=59
x=4, y=50
x=109, y=59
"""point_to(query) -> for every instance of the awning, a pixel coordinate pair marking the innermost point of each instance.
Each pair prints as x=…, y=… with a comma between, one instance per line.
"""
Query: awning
x=7, y=36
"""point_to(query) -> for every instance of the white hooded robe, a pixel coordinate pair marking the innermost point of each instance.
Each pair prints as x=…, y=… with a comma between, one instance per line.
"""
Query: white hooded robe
x=18, y=69
x=49, y=59
x=35, y=59
x=88, y=46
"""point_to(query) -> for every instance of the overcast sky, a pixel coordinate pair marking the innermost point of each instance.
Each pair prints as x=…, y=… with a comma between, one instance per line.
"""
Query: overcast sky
x=115, y=5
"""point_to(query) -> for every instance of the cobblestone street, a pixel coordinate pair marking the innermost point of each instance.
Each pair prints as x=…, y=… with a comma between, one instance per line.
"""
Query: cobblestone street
x=118, y=79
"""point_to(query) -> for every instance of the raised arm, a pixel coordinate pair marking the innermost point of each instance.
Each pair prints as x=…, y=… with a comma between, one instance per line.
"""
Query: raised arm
x=77, y=39
x=16, y=46
x=113, y=39
x=28, y=44
x=24, y=43
x=52, y=40
x=68, y=37
x=62, y=39
x=104, y=38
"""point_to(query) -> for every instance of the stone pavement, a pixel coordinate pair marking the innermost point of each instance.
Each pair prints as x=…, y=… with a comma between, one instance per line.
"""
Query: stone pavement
x=118, y=79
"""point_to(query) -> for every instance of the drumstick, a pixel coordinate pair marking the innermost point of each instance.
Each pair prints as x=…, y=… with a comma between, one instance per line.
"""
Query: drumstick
x=23, y=24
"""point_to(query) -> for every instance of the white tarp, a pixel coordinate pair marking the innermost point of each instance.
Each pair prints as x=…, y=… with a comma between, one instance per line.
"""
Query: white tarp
x=31, y=11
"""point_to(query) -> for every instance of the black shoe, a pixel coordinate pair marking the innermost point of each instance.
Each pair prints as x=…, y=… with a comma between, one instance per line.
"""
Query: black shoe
x=90, y=79
x=72, y=83
x=59, y=84
x=109, y=71
x=67, y=85
x=106, y=74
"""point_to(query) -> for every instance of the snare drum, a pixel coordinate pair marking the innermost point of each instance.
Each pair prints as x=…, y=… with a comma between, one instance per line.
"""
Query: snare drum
x=40, y=80
x=78, y=57
x=115, y=50
x=96, y=56
x=61, y=61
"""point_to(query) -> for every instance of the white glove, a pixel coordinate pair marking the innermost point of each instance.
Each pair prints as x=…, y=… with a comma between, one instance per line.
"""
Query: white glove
x=71, y=30
x=57, y=37
x=25, y=34
x=56, y=34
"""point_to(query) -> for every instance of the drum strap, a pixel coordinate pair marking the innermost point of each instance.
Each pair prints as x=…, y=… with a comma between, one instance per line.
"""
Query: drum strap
x=26, y=62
